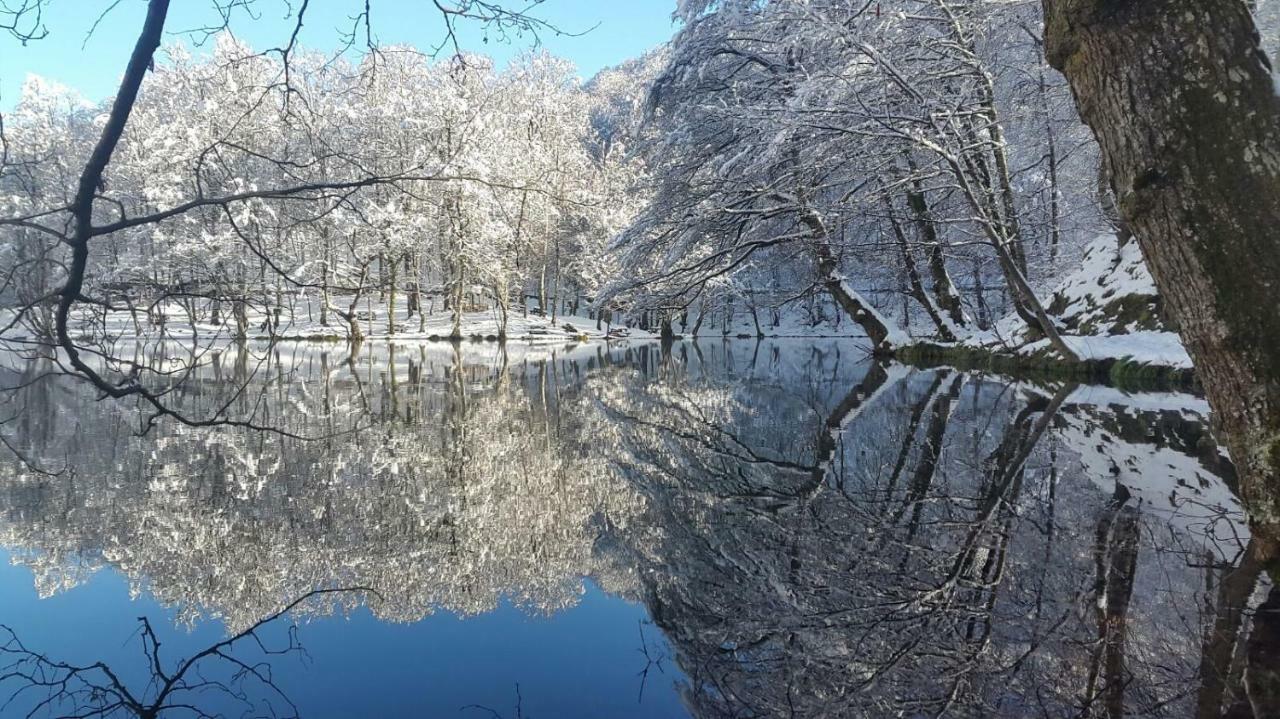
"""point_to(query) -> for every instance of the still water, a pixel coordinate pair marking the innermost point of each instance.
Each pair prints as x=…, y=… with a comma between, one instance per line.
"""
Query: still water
x=730, y=529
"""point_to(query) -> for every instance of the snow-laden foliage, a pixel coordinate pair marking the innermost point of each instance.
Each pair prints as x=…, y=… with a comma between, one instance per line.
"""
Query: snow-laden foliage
x=430, y=178
x=920, y=150
x=911, y=167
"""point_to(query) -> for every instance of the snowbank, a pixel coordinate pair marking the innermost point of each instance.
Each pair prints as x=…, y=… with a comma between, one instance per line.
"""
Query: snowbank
x=1108, y=311
x=1112, y=293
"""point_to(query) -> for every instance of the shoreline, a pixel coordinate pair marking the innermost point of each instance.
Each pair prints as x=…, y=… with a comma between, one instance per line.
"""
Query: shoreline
x=1113, y=371
x=1028, y=363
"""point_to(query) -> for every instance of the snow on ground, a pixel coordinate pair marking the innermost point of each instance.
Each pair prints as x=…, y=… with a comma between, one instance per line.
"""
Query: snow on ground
x=1156, y=348
x=1107, y=309
x=1111, y=296
x=1088, y=300
x=1145, y=347
x=302, y=322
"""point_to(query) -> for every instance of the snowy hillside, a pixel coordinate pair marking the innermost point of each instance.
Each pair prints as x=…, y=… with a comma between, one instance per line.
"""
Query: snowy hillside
x=1108, y=309
x=1112, y=293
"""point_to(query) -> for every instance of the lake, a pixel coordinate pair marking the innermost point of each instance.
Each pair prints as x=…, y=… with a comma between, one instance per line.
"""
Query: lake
x=722, y=529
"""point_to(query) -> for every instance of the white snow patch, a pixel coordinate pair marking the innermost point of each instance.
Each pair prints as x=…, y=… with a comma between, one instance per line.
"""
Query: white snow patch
x=1153, y=348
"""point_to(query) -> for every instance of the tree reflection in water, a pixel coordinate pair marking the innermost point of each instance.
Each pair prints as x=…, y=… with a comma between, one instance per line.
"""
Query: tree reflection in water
x=234, y=672
x=815, y=534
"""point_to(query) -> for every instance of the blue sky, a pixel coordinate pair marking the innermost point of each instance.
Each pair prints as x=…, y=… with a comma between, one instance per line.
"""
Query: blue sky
x=622, y=29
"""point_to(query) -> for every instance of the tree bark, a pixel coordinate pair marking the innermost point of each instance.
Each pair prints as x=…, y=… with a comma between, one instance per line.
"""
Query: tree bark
x=943, y=288
x=90, y=179
x=324, y=286
x=859, y=311
x=391, y=277
x=915, y=287
x=1182, y=100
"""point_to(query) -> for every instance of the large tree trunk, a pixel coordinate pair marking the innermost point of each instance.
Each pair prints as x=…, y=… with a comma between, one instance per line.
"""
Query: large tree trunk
x=883, y=339
x=1182, y=101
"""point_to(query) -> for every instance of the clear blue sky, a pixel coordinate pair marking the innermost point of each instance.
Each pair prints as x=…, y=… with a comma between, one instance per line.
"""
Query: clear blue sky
x=622, y=29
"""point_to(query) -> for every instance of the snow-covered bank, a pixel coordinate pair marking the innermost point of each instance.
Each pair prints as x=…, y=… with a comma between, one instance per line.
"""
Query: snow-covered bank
x=1156, y=349
x=302, y=320
x=1108, y=313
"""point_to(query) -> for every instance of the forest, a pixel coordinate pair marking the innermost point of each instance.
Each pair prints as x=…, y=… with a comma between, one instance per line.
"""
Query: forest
x=855, y=357
x=945, y=178
x=916, y=169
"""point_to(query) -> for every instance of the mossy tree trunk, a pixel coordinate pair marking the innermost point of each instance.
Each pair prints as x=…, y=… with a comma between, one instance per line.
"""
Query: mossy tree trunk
x=1182, y=100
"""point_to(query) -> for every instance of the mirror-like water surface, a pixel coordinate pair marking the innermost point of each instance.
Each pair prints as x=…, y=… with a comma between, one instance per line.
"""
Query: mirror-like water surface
x=731, y=529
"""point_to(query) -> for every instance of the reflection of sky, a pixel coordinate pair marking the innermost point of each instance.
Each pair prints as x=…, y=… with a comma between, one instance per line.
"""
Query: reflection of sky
x=582, y=662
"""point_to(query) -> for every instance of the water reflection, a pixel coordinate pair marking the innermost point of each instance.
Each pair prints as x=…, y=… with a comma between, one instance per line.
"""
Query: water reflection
x=813, y=533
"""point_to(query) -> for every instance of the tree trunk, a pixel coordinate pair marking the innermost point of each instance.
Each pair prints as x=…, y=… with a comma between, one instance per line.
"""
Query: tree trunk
x=354, y=333
x=542, y=290
x=1055, y=197
x=456, y=332
x=391, y=276
x=324, y=288
x=980, y=292
x=944, y=289
x=883, y=338
x=415, y=285
x=351, y=316
x=555, y=302
x=850, y=301
x=915, y=288
x=501, y=293
x=1183, y=103
x=242, y=320
x=382, y=271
